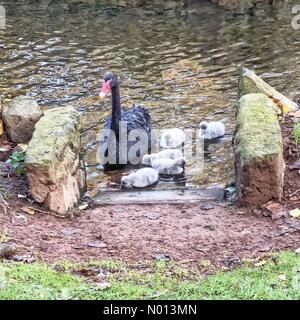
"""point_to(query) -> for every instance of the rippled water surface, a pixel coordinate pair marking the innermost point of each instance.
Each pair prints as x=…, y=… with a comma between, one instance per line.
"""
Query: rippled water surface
x=182, y=66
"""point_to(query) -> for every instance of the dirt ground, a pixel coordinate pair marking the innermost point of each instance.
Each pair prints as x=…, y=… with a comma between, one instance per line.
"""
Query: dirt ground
x=185, y=233
x=188, y=233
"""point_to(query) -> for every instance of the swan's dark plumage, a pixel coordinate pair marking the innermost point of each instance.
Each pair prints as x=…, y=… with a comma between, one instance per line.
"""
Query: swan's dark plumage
x=136, y=117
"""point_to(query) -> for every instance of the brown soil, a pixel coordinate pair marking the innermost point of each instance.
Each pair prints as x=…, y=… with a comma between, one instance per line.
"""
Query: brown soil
x=138, y=232
x=189, y=233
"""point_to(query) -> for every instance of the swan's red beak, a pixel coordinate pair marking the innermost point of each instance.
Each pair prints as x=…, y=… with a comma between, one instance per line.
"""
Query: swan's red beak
x=105, y=88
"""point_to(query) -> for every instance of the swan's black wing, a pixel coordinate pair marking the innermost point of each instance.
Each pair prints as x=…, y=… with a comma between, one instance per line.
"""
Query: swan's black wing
x=136, y=117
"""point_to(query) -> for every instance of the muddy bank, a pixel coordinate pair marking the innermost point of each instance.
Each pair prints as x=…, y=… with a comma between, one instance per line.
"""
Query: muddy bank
x=187, y=233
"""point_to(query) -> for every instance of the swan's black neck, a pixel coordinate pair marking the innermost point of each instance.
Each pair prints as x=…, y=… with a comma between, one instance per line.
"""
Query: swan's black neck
x=116, y=110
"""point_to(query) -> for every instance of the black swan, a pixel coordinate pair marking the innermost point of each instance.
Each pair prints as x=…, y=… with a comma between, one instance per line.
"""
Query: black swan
x=135, y=117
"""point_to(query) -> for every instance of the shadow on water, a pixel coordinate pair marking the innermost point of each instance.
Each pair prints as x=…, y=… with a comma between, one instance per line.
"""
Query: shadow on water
x=183, y=66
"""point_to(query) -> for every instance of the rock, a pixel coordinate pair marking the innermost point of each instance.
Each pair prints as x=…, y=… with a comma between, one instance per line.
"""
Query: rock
x=97, y=244
x=295, y=165
x=207, y=206
x=152, y=215
x=249, y=82
x=52, y=160
x=258, y=165
x=232, y=261
x=20, y=117
x=210, y=227
x=7, y=250
x=69, y=231
x=162, y=257
x=276, y=210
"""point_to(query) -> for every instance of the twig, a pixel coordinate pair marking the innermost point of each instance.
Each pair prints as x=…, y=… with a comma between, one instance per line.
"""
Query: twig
x=47, y=212
x=294, y=192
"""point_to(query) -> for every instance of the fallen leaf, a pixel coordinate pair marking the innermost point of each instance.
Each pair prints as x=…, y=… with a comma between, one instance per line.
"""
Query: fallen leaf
x=205, y=263
x=285, y=109
x=295, y=213
x=83, y=206
x=102, y=285
x=282, y=277
x=23, y=146
x=28, y=210
x=260, y=263
x=1, y=127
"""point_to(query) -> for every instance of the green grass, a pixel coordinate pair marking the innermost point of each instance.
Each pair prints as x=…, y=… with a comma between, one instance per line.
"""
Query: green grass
x=296, y=132
x=277, y=278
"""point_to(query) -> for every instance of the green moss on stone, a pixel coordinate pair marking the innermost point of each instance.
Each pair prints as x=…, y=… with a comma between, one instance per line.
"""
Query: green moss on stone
x=258, y=132
x=53, y=133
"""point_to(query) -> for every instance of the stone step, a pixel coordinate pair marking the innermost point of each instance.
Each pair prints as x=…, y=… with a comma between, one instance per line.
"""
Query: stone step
x=160, y=196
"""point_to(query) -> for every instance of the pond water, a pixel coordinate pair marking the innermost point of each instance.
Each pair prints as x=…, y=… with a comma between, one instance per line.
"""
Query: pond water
x=182, y=66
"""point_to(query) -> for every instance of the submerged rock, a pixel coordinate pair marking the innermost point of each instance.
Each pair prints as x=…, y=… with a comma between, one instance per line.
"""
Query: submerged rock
x=52, y=160
x=20, y=117
x=259, y=165
x=249, y=82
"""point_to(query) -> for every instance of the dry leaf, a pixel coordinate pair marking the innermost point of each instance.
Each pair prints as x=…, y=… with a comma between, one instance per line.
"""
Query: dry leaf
x=28, y=210
x=295, y=213
x=1, y=127
x=285, y=109
x=102, y=285
x=260, y=263
x=282, y=277
x=23, y=146
x=83, y=206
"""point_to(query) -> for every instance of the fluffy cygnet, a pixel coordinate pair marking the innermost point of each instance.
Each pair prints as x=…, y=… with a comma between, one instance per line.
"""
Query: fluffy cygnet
x=211, y=130
x=164, y=154
x=169, y=166
x=141, y=178
x=172, y=138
